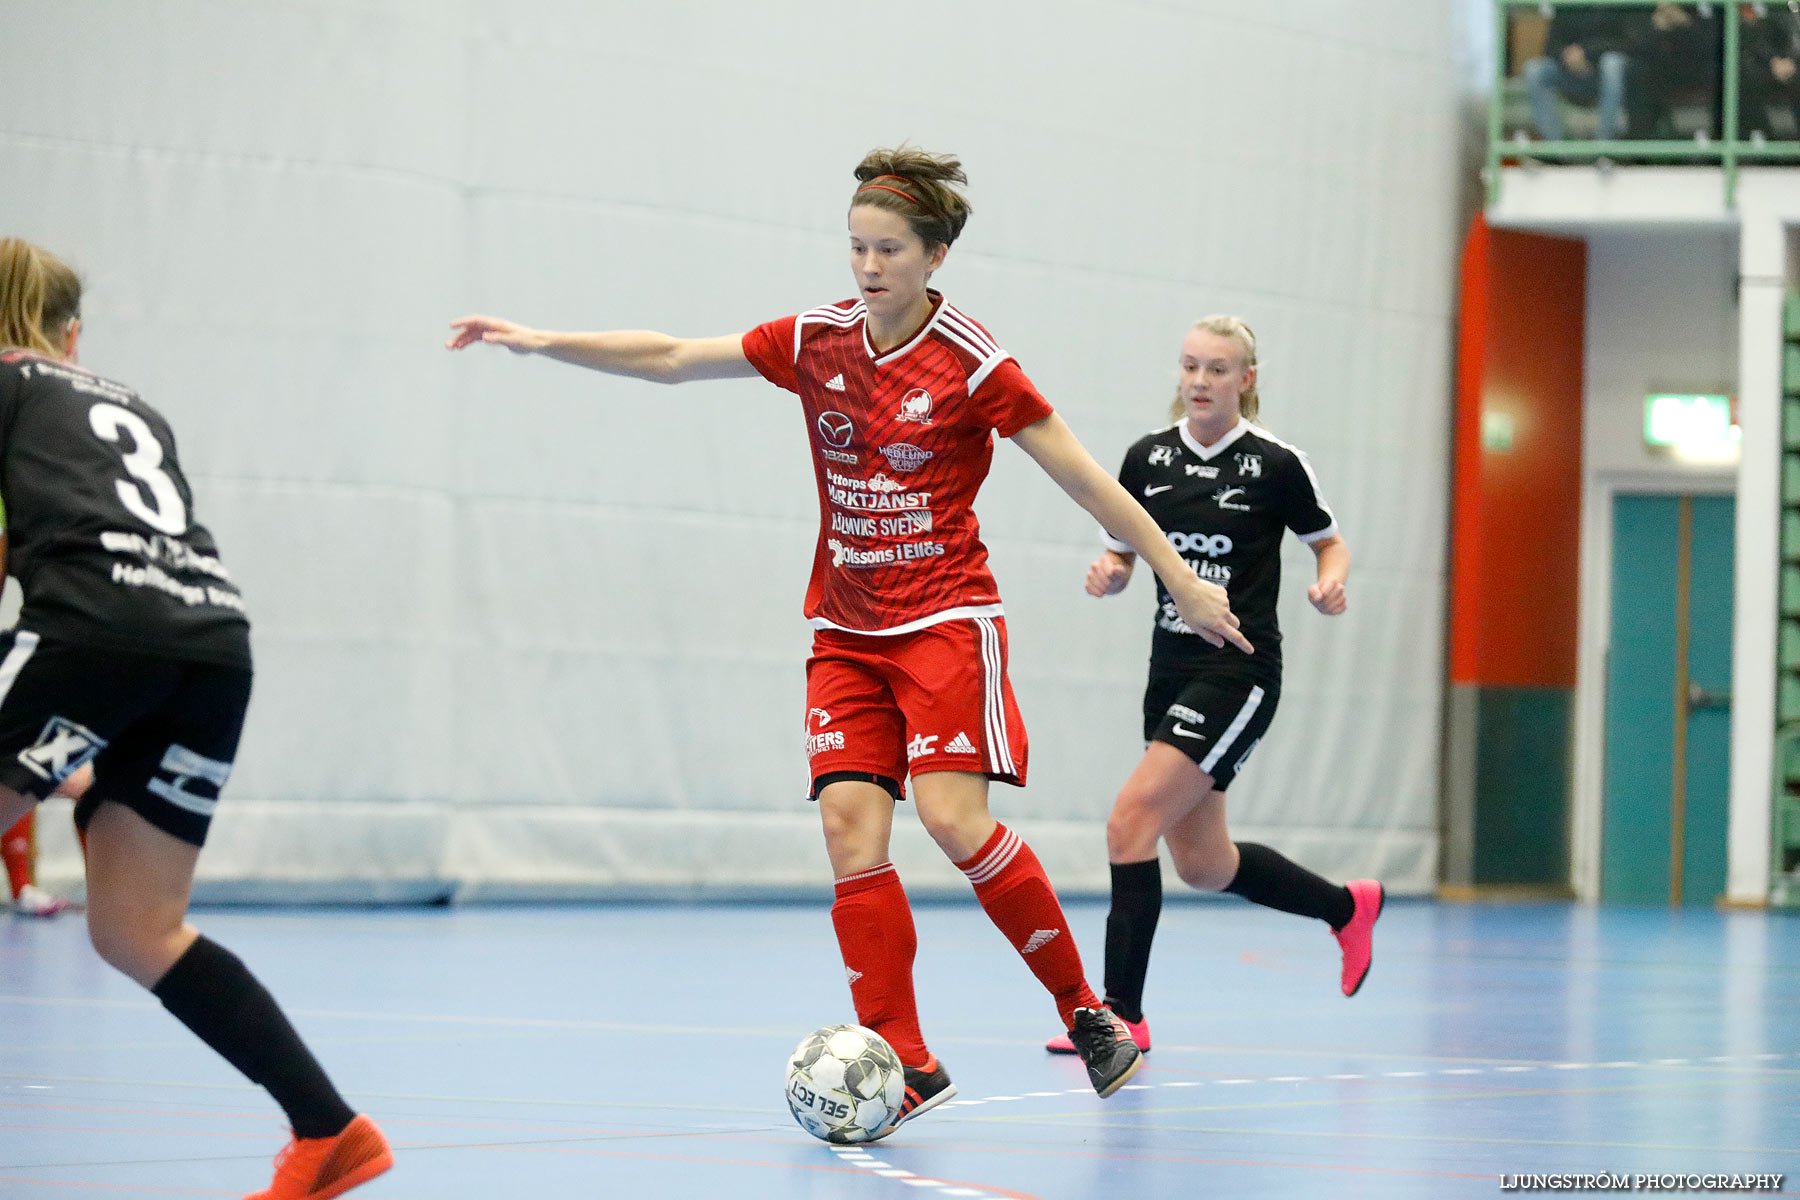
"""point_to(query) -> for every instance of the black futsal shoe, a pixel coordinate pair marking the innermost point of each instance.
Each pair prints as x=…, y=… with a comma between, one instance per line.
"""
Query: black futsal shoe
x=1105, y=1045
x=926, y=1088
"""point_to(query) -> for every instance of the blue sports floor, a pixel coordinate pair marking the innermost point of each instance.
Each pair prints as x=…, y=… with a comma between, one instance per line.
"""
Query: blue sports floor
x=638, y=1051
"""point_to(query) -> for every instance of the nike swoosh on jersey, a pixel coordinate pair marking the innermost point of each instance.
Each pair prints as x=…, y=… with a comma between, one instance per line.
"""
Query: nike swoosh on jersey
x=1151, y=491
x=1181, y=730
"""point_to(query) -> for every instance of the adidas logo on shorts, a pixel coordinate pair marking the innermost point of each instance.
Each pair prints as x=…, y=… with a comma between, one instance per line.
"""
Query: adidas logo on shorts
x=836, y=382
x=960, y=744
x=1039, y=940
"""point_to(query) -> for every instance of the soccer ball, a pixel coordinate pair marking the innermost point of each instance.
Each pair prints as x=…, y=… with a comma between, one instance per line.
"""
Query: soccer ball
x=844, y=1083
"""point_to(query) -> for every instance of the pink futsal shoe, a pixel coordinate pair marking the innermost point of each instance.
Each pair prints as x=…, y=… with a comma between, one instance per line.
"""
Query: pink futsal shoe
x=1357, y=938
x=1140, y=1037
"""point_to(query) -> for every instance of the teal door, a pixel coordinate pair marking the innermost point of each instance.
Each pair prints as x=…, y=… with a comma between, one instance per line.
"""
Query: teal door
x=1668, y=688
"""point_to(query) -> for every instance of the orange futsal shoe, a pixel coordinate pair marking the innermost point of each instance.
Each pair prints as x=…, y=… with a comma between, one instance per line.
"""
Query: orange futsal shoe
x=320, y=1168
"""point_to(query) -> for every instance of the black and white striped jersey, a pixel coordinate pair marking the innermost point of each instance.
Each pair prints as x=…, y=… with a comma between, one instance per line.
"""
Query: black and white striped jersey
x=100, y=520
x=1224, y=508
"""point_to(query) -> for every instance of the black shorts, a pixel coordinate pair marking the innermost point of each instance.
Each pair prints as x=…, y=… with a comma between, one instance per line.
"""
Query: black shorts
x=1216, y=720
x=161, y=732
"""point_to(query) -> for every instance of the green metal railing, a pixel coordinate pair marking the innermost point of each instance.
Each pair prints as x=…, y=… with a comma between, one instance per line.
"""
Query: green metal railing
x=1727, y=151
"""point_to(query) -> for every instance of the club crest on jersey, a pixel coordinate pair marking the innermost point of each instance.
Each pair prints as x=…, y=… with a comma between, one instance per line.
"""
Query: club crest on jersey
x=904, y=456
x=1249, y=465
x=61, y=749
x=1162, y=456
x=835, y=428
x=916, y=406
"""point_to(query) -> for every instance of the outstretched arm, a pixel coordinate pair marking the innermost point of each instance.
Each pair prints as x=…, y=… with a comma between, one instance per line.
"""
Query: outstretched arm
x=637, y=353
x=1202, y=605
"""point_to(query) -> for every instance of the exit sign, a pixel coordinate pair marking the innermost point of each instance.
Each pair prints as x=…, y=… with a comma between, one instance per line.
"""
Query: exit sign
x=1690, y=424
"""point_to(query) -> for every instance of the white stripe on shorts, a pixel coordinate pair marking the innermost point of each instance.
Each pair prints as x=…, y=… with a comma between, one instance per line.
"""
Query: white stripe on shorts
x=1000, y=760
x=1231, y=731
x=24, y=646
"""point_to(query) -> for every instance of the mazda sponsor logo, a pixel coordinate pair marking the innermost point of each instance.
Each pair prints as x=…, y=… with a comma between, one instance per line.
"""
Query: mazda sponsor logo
x=836, y=429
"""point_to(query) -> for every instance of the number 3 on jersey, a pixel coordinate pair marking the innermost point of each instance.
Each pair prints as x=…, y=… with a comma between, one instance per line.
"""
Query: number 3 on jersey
x=143, y=462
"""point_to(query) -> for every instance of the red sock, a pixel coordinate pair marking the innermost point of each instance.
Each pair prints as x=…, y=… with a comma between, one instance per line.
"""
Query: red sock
x=876, y=937
x=1011, y=885
x=16, y=848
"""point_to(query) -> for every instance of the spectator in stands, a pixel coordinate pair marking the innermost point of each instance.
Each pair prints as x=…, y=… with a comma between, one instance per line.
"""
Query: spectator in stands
x=1585, y=60
x=1675, y=55
x=1769, y=45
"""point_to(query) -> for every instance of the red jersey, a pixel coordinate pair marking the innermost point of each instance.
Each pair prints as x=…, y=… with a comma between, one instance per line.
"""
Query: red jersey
x=901, y=443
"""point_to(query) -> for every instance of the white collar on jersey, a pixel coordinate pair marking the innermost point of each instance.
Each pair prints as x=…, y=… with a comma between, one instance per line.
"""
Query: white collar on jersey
x=937, y=307
x=1217, y=448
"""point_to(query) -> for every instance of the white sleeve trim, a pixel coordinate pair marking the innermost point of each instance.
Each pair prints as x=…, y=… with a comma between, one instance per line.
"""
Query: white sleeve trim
x=1330, y=531
x=986, y=369
x=1114, y=544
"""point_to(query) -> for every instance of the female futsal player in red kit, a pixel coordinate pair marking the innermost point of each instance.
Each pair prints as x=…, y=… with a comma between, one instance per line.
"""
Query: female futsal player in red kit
x=902, y=396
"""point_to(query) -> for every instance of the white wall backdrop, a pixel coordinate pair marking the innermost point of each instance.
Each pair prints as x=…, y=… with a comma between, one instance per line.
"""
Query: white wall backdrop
x=527, y=629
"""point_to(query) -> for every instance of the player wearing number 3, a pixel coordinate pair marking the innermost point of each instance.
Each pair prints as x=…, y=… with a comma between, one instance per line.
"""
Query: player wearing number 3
x=1225, y=491
x=902, y=396
x=132, y=653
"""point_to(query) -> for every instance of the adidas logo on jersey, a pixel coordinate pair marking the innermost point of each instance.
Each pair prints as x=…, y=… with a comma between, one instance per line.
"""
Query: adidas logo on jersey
x=852, y=974
x=1039, y=940
x=836, y=382
x=960, y=744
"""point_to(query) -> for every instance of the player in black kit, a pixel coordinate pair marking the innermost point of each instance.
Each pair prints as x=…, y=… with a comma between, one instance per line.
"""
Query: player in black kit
x=132, y=654
x=1224, y=491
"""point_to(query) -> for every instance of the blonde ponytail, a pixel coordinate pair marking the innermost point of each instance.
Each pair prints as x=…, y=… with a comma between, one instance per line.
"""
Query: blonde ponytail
x=39, y=297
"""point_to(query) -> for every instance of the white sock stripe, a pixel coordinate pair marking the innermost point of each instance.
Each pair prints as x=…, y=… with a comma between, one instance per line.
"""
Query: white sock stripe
x=1231, y=732
x=872, y=871
x=997, y=860
x=1000, y=759
x=24, y=646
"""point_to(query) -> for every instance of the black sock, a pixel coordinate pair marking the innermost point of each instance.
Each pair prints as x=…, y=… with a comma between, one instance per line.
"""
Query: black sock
x=1130, y=928
x=1267, y=878
x=211, y=992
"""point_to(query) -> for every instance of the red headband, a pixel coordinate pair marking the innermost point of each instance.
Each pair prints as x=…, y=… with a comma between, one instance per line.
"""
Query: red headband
x=884, y=187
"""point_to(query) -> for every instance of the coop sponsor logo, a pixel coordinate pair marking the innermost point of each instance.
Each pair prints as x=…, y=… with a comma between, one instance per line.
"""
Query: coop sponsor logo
x=1210, y=544
x=904, y=456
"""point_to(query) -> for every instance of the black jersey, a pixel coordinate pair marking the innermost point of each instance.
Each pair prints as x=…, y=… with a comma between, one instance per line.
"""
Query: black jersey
x=1224, y=509
x=100, y=528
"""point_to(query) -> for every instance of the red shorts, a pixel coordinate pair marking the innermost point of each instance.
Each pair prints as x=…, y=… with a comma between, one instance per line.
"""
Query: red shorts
x=934, y=700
